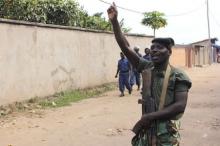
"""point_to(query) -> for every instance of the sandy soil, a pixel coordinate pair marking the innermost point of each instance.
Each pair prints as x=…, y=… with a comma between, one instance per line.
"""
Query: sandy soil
x=107, y=120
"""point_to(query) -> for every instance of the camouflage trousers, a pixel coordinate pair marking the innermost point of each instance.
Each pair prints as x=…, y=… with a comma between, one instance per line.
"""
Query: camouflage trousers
x=167, y=135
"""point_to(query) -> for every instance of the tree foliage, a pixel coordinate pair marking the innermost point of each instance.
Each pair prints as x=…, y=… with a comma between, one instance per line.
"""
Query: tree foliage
x=124, y=29
x=154, y=19
x=58, y=12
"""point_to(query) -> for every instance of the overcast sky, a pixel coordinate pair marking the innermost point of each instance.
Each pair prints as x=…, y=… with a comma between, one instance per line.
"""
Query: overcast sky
x=187, y=19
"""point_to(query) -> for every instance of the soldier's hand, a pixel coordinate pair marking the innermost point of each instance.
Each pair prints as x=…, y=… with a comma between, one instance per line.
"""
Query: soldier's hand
x=146, y=120
x=137, y=127
x=143, y=124
x=112, y=12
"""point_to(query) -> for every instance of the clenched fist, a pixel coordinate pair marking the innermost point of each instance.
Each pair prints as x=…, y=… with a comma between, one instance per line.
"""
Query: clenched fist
x=112, y=12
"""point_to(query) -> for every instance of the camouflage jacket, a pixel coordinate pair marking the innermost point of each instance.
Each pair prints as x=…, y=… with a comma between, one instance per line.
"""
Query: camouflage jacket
x=167, y=131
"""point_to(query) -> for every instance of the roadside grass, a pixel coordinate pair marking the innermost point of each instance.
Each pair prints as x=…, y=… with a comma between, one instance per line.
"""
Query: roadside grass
x=67, y=97
x=63, y=98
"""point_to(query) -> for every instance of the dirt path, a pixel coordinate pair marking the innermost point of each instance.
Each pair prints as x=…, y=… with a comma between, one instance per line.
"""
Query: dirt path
x=107, y=120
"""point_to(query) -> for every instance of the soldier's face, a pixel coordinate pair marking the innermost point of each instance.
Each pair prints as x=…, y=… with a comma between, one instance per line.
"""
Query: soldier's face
x=159, y=53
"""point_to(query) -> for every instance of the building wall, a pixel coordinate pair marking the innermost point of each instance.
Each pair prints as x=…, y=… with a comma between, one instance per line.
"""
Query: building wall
x=40, y=60
x=203, y=56
x=178, y=57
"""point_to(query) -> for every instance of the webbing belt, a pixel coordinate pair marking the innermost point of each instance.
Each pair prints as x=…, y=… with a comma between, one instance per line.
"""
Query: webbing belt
x=164, y=89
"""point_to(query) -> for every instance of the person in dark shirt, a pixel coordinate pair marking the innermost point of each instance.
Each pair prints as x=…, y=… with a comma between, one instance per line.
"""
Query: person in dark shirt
x=147, y=55
x=136, y=74
x=124, y=74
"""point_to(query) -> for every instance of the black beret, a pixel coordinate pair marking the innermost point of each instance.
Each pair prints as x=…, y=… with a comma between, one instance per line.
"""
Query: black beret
x=167, y=42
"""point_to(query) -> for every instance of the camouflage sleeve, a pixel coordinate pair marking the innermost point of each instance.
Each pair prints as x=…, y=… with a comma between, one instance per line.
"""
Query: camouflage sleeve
x=181, y=87
x=183, y=83
x=144, y=64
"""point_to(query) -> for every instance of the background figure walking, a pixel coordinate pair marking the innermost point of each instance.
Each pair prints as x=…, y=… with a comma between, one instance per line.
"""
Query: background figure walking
x=132, y=77
x=124, y=74
x=137, y=75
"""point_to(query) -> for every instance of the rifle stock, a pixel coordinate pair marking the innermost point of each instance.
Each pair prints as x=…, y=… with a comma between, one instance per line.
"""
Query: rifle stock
x=148, y=105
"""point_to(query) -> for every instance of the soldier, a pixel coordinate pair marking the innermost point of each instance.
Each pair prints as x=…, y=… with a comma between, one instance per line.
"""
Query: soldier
x=167, y=116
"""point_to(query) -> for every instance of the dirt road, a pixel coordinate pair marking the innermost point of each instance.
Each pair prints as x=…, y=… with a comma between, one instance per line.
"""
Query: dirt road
x=107, y=120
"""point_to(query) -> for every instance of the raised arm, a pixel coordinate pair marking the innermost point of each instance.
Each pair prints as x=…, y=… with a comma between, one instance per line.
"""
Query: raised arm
x=120, y=38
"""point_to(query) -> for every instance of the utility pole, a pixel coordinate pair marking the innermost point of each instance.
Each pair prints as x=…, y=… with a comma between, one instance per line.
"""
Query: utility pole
x=209, y=43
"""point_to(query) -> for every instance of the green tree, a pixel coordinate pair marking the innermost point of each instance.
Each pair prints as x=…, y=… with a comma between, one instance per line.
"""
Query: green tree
x=96, y=21
x=154, y=19
x=58, y=12
x=123, y=28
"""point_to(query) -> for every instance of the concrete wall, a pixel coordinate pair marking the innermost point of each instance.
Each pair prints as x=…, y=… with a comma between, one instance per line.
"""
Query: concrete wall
x=178, y=57
x=40, y=60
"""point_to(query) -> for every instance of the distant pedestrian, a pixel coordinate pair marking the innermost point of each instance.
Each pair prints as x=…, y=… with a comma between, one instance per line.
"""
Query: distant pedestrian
x=147, y=55
x=137, y=75
x=132, y=77
x=136, y=49
x=124, y=74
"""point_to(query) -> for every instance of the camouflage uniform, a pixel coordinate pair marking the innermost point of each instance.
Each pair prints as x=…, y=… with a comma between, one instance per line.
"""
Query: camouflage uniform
x=167, y=131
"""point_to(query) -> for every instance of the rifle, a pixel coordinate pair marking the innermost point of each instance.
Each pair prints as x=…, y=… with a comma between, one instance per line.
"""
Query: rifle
x=148, y=105
x=146, y=136
x=147, y=101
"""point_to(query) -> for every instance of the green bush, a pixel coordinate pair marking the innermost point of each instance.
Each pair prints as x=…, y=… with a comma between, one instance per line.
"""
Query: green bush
x=58, y=12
